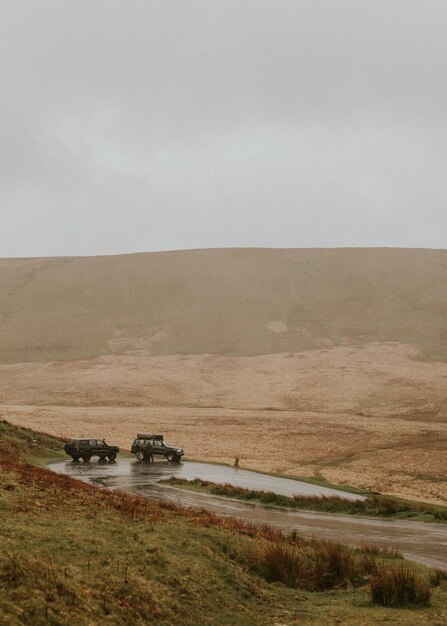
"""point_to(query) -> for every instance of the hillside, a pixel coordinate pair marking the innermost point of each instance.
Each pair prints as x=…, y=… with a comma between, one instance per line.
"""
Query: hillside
x=73, y=553
x=339, y=354
x=234, y=302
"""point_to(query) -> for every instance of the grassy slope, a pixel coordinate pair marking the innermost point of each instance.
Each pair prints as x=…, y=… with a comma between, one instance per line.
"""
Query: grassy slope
x=71, y=553
x=231, y=302
x=377, y=506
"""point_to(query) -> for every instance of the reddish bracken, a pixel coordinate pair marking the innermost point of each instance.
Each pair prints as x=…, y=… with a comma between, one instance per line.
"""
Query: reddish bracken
x=134, y=507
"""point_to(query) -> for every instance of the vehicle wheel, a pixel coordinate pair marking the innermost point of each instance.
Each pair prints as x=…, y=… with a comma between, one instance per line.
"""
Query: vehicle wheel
x=171, y=457
x=86, y=457
x=75, y=458
x=112, y=456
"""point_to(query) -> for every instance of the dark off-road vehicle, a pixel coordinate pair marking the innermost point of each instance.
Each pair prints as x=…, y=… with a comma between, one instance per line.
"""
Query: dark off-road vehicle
x=146, y=447
x=86, y=448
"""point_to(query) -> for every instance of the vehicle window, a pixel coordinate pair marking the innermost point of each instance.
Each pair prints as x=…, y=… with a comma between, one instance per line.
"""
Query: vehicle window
x=99, y=442
x=92, y=442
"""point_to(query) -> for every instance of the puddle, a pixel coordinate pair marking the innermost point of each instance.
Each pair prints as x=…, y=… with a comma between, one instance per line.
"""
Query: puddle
x=423, y=542
x=126, y=474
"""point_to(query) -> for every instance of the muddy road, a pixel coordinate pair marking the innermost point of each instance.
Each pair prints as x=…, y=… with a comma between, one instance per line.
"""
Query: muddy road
x=423, y=542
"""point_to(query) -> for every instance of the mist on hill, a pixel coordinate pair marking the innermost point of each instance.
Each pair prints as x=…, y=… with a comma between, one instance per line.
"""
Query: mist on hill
x=228, y=302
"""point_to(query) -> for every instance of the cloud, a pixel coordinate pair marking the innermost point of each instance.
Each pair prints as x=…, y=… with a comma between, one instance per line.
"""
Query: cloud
x=165, y=124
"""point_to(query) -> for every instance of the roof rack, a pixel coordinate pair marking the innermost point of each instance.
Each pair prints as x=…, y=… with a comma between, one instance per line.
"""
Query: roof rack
x=146, y=436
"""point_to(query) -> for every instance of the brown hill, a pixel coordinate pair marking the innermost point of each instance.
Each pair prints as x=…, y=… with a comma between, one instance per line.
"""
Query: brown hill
x=377, y=379
x=234, y=302
x=308, y=362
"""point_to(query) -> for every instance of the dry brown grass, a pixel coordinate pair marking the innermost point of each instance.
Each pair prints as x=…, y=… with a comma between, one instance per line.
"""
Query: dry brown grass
x=60, y=488
x=331, y=352
x=372, y=379
x=313, y=566
x=398, y=584
x=229, y=302
x=134, y=561
x=385, y=454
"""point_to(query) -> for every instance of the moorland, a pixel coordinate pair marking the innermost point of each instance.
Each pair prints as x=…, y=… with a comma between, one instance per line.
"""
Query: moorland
x=327, y=364
x=74, y=553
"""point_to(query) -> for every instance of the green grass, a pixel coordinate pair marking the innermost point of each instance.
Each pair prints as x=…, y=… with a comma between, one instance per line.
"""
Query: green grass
x=374, y=505
x=73, y=553
x=37, y=448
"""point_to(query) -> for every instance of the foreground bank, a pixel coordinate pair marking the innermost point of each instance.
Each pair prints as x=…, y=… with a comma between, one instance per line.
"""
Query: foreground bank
x=421, y=541
x=74, y=553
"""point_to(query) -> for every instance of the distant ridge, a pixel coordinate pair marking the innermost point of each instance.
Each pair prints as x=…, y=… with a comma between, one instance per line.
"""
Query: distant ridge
x=233, y=302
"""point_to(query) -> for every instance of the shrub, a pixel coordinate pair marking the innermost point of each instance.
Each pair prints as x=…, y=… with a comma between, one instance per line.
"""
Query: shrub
x=387, y=506
x=371, y=548
x=376, y=550
x=437, y=576
x=383, y=506
x=399, y=585
x=313, y=565
x=335, y=565
x=285, y=564
x=367, y=563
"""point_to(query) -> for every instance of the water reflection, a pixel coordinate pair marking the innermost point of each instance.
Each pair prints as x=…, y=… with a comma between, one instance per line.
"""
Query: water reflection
x=424, y=542
x=138, y=477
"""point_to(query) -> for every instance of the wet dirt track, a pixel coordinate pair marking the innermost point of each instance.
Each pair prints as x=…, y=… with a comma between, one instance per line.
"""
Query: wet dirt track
x=423, y=542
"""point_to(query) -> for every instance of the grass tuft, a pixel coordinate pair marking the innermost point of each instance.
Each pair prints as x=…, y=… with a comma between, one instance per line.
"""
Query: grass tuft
x=397, y=585
x=437, y=576
x=374, y=505
x=316, y=565
x=71, y=552
x=374, y=549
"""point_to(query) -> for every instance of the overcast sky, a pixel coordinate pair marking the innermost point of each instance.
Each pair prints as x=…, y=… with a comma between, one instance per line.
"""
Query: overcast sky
x=150, y=125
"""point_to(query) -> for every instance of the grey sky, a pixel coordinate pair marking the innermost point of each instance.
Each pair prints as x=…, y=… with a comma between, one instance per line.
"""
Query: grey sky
x=147, y=125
